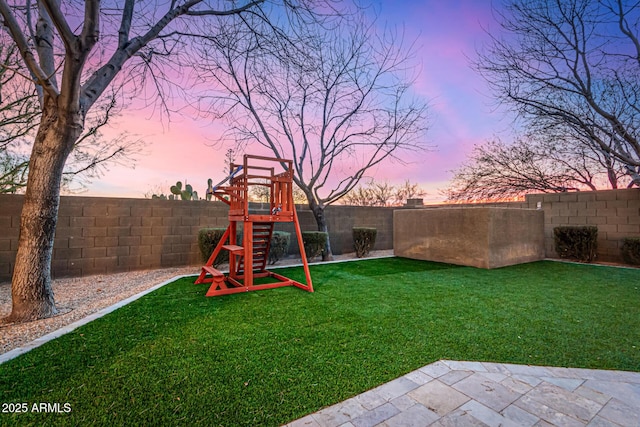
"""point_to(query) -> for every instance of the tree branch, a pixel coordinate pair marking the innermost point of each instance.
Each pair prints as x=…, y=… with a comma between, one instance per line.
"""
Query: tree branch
x=26, y=52
x=66, y=34
x=125, y=23
x=96, y=84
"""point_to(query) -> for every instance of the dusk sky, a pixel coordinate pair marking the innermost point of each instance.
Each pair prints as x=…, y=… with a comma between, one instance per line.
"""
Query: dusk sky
x=461, y=112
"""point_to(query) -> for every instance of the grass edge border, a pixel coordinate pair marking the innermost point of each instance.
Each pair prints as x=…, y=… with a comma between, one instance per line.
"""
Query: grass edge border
x=12, y=354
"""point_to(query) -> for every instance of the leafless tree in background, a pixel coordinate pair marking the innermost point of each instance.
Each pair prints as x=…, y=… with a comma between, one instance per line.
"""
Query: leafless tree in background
x=74, y=52
x=499, y=171
x=571, y=68
x=408, y=190
x=375, y=193
x=371, y=194
x=335, y=98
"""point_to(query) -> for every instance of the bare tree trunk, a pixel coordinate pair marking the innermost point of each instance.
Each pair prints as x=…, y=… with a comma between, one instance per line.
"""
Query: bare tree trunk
x=321, y=220
x=31, y=290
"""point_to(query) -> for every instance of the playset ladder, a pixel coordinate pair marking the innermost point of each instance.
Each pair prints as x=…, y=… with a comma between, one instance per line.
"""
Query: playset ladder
x=262, y=232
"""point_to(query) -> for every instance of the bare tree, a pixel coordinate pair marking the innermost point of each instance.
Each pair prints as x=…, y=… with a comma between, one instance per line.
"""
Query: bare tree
x=359, y=196
x=260, y=194
x=382, y=194
x=498, y=171
x=73, y=52
x=19, y=119
x=406, y=191
x=334, y=98
x=371, y=194
x=93, y=154
x=572, y=68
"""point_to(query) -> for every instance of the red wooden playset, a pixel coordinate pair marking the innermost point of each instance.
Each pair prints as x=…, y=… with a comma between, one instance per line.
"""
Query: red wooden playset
x=248, y=261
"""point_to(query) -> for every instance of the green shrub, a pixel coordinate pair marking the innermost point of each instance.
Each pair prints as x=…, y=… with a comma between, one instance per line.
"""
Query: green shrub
x=364, y=238
x=280, y=241
x=314, y=242
x=208, y=239
x=576, y=242
x=631, y=250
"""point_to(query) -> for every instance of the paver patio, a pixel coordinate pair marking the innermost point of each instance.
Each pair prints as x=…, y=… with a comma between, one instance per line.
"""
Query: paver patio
x=451, y=393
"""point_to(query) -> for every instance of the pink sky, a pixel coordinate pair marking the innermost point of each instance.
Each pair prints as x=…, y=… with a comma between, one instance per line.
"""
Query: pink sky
x=461, y=113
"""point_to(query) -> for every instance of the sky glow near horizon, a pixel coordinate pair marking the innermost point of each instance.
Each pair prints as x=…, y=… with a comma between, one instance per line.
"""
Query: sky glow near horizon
x=460, y=111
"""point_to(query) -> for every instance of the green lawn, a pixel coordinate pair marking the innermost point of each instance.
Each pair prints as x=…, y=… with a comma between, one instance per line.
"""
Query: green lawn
x=175, y=357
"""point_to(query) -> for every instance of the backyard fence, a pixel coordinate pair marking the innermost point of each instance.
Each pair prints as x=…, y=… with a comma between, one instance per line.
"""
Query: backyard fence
x=616, y=213
x=97, y=235
x=105, y=235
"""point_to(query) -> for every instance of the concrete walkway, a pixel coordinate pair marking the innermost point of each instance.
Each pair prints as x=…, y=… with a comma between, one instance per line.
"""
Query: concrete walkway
x=448, y=393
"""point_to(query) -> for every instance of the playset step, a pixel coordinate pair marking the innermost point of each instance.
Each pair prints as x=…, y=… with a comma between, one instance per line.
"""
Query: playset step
x=234, y=249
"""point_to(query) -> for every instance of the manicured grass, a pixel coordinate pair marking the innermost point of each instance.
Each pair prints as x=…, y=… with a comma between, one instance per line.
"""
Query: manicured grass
x=175, y=357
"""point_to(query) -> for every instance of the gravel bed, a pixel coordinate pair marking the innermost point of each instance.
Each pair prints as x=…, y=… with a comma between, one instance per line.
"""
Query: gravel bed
x=79, y=297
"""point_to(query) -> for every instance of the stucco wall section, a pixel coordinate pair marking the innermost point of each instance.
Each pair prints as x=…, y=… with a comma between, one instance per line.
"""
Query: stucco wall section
x=480, y=237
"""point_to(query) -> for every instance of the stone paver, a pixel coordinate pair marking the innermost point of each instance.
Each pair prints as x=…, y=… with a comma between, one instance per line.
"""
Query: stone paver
x=459, y=418
x=520, y=416
x=547, y=413
x=403, y=402
x=488, y=392
x=567, y=383
x=454, y=393
x=376, y=416
x=438, y=397
x=625, y=392
x=563, y=401
x=417, y=416
x=618, y=412
x=453, y=377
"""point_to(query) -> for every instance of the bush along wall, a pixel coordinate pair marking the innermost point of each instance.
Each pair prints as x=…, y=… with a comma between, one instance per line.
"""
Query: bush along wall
x=576, y=242
x=364, y=239
x=314, y=243
x=630, y=250
x=208, y=239
x=280, y=241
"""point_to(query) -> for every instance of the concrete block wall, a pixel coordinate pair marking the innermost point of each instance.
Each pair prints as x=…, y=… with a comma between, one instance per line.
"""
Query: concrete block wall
x=342, y=219
x=10, y=207
x=98, y=235
x=105, y=235
x=616, y=213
